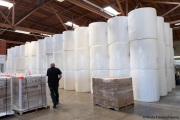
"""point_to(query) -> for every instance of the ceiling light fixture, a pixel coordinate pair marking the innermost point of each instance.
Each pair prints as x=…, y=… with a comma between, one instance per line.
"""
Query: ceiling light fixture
x=20, y=31
x=111, y=11
x=6, y=4
x=177, y=24
x=60, y=0
x=47, y=35
x=176, y=56
x=69, y=23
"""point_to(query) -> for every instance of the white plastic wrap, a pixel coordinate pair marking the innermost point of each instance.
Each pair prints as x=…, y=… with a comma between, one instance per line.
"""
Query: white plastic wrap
x=69, y=79
x=98, y=33
x=117, y=29
x=172, y=57
x=34, y=62
x=58, y=58
x=167, y=33
x=9, y=53
x=34, y=47
x=13, y=52
x=82, y=59
x=69, y=60
x=168, y=57
x=27, y=49
x=119, y=73
x=142, y=24
x=17, y=51
x=160, y=28
x=119, y=56
x=99, y=58
x=162, y=82
x=144, y=54
x=161, y=55
x=22, y=50
x=171, y=37
x=82, y=81
x=28, y=63
x=61, y=82
x=68, y=37
x=41, y=47
x=145, y=85
x=58, y=43
x=169, y=79
x=48, y=44
x=49, y=60
x=17, y=64
x=41, y=62
x=81, y=37
x=97, y=73
x=22, y=63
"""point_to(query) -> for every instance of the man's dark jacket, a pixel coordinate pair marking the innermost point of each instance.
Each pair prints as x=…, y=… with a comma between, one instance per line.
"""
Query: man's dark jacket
x=52, y=74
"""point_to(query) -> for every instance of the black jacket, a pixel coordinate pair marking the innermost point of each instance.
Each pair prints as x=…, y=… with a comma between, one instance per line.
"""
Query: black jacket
x=52, y=74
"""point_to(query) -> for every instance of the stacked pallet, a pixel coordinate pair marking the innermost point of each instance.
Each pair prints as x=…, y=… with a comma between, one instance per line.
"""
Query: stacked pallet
x=113, y=92
x=29, y=93
x=5, y=96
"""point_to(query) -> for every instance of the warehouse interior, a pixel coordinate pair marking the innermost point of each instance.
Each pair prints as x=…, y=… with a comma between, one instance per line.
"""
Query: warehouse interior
x=120, y=59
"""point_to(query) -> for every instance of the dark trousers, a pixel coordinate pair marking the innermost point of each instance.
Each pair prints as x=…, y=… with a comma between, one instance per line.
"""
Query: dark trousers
x=54, y=93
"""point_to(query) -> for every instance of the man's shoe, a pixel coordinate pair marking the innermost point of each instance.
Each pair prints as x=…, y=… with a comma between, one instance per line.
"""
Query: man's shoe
x=54, y=106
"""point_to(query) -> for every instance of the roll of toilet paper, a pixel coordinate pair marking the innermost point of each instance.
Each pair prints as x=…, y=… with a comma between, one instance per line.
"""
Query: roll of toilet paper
x=69, y=79
x=144, y=54
x=82, y=59
x=162, y=82
x=99, y=58
x=81, y=37
x=41, y=47
x=119, y=73
x=142, y=24
x=117, y=29
x=98, y=33
x=58, y=58
x=167, y=33
x=82, y=81
x=145, y=85
x=68, y=37
x=58, y=43
x=119, y=56
x=161, y=55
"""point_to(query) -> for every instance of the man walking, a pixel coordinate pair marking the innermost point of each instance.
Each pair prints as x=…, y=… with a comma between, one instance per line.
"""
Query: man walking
x=54, y=75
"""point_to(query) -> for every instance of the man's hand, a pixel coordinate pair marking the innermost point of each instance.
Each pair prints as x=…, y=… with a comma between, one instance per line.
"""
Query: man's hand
x=60, y=76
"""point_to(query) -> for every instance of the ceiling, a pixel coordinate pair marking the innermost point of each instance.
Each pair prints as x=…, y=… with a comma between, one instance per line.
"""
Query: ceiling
x=48, y=16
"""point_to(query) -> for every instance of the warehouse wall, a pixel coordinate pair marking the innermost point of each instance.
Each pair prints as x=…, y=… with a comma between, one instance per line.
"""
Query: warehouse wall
x=176, y=48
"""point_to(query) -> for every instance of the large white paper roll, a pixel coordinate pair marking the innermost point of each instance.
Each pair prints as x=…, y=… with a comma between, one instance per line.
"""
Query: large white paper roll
x=144, y=54
x=69, y=60
x=142, y=24
x=99, y=58
x=22, y=50
x=34, y=61
x=119, y=56
x=41, y=62
x=145, y=85
x=17, y=51
x=49, y=60
x=82, y=81
x=167, y=33
x=34, y=47
x=61, y=82
x=173, y=79
x=161, y=55
x=81, y=37
x=160, y=29
x=27, y=49
x=9, y=53
x=171, y=37
x=41, y=47
x=162, y=82
x=68, y=37
x=168, y=57
x=27, y=63
x=117, y=29
x=82, y=59
x=69, y=79
x=98, y=33
x=97, y=73
x=48, y=44
x=17, y=64
x=58, y=43
x=169, y=80
x=22, y=63
x=58, y=58
x=172, y=57
x=119, y=73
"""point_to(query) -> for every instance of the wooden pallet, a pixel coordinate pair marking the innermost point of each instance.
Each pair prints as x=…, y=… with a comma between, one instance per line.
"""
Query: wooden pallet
x=116, y=108
x=31, y=110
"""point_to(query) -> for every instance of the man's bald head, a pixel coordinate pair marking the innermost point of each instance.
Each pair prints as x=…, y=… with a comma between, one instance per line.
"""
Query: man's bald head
x=52, y=65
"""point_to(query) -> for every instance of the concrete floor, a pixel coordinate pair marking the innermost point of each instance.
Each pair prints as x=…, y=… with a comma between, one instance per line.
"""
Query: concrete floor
x=79, y=106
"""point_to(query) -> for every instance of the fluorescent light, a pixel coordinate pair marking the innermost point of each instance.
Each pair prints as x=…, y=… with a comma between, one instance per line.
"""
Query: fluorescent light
x=47, y=35
x=111, y=11
x=6, y=4
x=60, y=0
x=24, y=32
x=177, y=24
x=176, y=56
x=69, y=23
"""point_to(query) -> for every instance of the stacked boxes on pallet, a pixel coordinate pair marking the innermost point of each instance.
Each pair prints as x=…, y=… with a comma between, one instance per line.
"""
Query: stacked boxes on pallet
x=29, y=92
x=5, y=96
x=113, y=92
